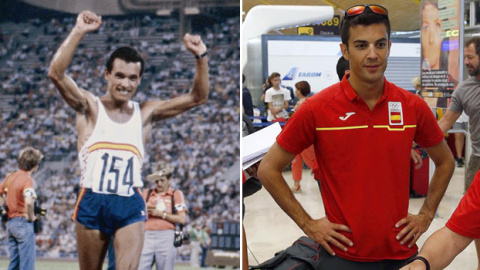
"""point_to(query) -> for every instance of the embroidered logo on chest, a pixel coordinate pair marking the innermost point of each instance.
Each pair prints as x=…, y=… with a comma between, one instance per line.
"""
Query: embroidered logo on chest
x=395, y=113
x=347, y=115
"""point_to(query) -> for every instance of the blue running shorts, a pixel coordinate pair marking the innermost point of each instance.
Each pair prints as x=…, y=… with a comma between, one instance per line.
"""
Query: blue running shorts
x=108, y=212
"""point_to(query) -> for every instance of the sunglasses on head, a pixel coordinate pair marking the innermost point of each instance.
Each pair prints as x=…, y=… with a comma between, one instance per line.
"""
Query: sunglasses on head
x=359, y=9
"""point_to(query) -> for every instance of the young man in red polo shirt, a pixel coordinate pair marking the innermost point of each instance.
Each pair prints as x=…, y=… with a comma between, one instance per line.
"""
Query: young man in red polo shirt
x=362, y=129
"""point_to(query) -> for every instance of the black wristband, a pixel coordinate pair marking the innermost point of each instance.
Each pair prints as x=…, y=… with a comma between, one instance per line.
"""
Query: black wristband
x=201, y=55
x=420, y=258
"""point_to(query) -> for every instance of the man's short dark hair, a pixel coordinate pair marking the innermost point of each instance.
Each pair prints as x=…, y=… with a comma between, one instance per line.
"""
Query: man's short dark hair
x=127, y=54
x=342, y=65
x=303, y=87
x=366, y=18
x=475, y=40
x=29, y=158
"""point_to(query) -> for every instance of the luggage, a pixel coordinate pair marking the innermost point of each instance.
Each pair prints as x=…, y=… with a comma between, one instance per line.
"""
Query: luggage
x=419, y=178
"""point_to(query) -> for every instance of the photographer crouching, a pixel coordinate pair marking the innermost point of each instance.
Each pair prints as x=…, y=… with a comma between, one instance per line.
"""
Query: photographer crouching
x=18, y=192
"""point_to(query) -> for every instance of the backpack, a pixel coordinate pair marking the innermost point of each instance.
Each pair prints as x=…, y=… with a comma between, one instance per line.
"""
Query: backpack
x=301, y=255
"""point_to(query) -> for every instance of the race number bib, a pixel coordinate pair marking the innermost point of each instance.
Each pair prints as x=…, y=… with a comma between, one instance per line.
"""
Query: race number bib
x=114, y=175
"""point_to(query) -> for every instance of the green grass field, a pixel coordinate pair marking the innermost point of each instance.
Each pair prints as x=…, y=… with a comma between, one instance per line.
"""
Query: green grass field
x=52, y=264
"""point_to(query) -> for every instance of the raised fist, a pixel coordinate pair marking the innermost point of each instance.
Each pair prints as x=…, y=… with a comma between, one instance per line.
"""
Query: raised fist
x=88, y=21
x=194, y=44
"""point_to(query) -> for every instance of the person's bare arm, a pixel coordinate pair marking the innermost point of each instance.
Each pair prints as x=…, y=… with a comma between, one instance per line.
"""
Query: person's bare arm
x=448, y=120
x=440, y=249
x=172, y=218
x=74, y=96
x=197, y=96
x=29, y=200
x=416, y=225
x=321, y=230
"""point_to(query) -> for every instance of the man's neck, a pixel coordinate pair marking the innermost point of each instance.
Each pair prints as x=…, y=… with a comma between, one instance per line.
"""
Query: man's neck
x=370, y=93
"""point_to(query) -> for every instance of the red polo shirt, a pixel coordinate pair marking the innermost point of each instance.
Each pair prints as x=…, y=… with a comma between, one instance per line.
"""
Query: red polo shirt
x=466, y=218
x=363, y=157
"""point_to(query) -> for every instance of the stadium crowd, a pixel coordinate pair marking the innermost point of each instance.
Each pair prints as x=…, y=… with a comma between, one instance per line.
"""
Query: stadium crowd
x=201, y=144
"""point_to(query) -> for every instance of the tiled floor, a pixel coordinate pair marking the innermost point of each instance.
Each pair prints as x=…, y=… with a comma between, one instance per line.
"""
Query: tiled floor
x=269, y=229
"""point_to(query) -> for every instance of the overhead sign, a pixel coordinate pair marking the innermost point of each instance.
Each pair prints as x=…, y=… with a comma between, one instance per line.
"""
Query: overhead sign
x=326, y=28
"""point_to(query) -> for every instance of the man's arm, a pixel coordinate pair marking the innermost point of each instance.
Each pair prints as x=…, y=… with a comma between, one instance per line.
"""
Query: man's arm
x=29, y=200
x=197, y=96
x=75, y=97
x=440, y=249
x=448, y=120
x=416, y=225
x=322, y=230
x=180, y=217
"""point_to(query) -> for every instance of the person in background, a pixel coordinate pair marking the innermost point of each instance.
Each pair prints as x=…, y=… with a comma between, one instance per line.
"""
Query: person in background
x=165, y=207
x=204, y=244
x=266, y=86
x=417, y=85
x=460, y=230
x=247, y=102
x=343, y=67
x=466, y=99
x=277, y=98
x=18, y=190
x=195, y=235
x=461, y=123
x=302, y=90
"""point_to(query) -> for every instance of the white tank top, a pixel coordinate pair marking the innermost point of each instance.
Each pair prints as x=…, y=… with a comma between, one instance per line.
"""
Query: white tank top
x=111, y=159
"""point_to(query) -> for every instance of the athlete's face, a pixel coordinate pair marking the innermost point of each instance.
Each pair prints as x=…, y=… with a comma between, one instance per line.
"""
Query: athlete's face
x=367, y=52
x=431, y=36
x=123, y=80
x=471, y=60
x=162, y=184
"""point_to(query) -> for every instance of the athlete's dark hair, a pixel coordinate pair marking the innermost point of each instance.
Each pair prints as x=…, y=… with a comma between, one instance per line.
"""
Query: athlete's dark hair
x=368, y=17
x=28, y=158
x=127, y=54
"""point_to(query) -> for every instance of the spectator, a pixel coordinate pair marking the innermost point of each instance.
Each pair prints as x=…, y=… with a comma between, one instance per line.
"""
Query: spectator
x=277, y=98
x=18, y=188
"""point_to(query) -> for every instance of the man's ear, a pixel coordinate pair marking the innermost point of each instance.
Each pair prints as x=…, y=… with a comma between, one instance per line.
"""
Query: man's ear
x=344, y=49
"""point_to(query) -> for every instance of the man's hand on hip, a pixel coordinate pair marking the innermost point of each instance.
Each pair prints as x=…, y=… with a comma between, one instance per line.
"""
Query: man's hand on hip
x=326, y=233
